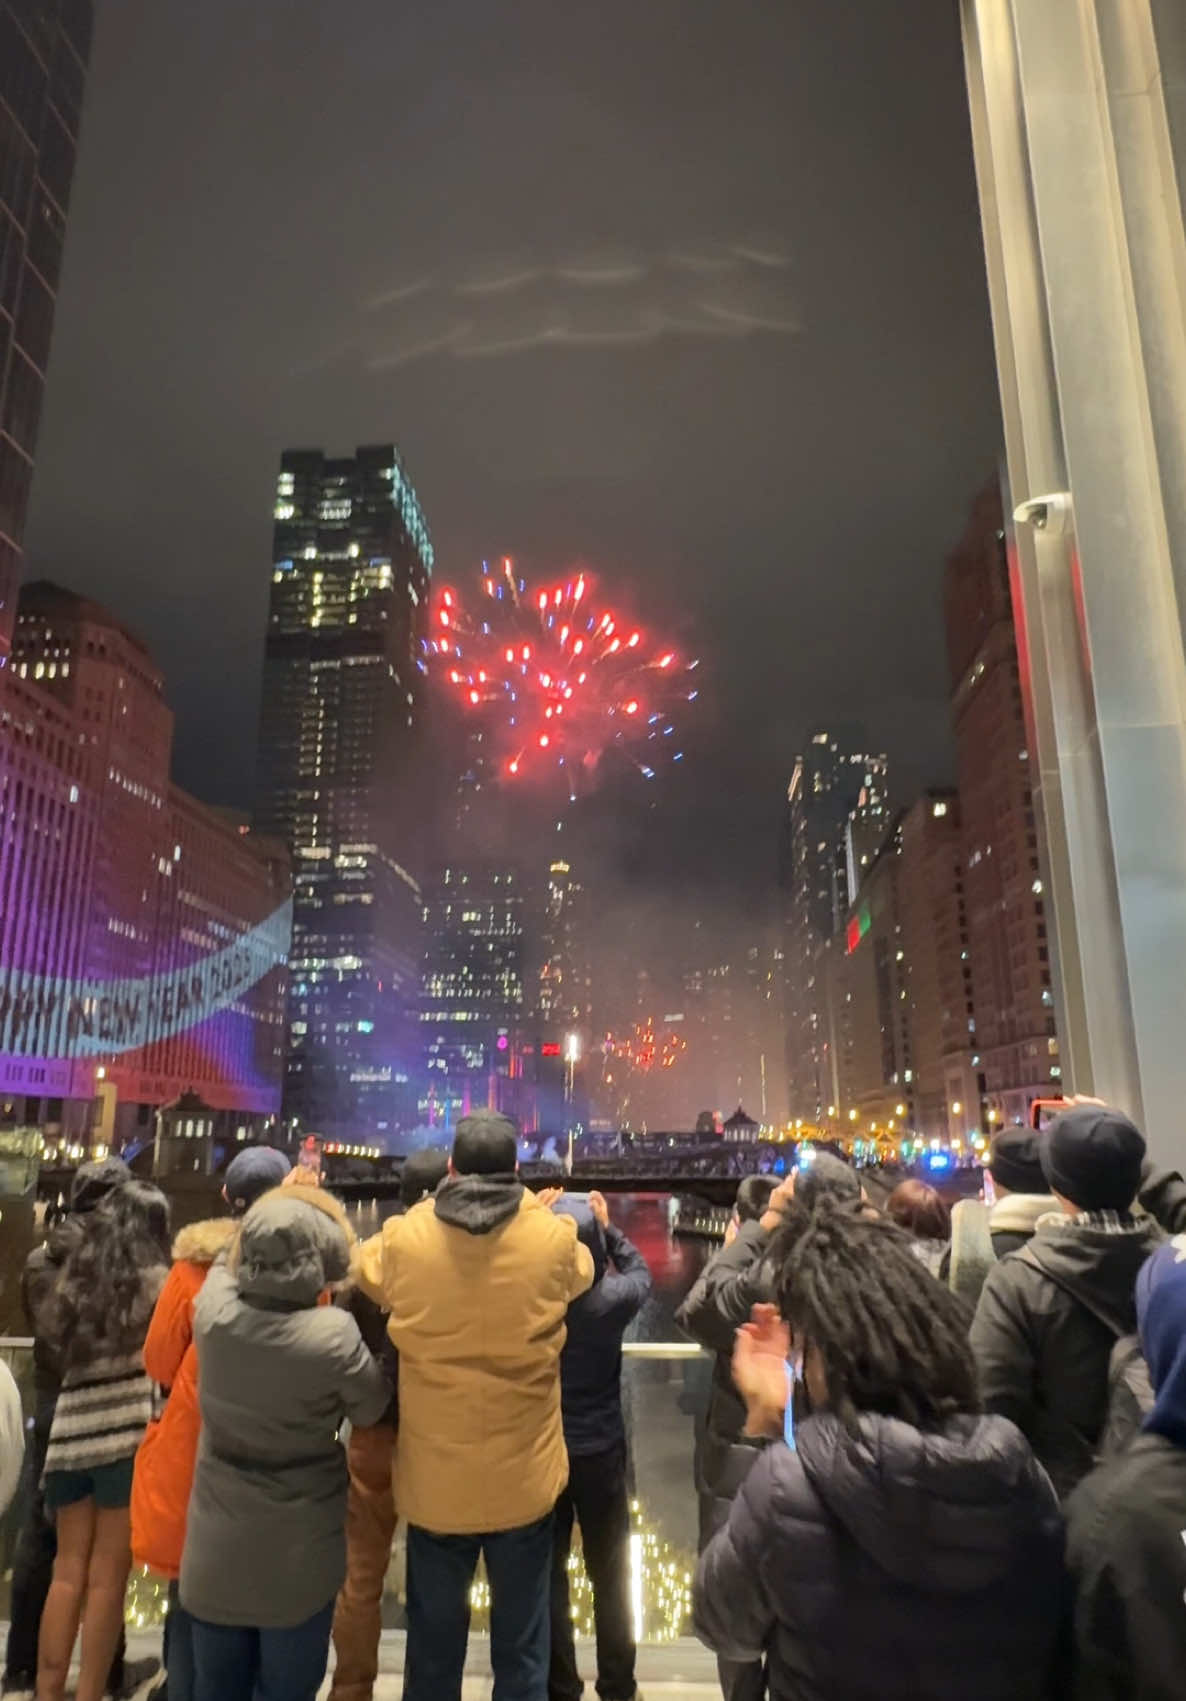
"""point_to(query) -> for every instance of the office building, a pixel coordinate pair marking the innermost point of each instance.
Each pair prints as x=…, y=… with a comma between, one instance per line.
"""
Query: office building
x=339, y=736
x=833, y=780
x=1010, y=955
x=473, y=994
x=898, y=1034
x=44, y=47
x=143, y=938
x=562, y=975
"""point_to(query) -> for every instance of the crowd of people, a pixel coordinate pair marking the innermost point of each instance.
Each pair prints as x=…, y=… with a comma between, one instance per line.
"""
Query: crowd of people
x=944, y=1454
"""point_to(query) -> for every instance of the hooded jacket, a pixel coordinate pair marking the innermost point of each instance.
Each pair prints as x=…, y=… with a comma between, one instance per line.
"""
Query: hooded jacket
x=1125, y=1522
x=1044, y=1332
x=278, y=1372
x=719, y=1302
x=477, y=1281
x=591, y=1363
x=890, y=1565
x=165, y=1463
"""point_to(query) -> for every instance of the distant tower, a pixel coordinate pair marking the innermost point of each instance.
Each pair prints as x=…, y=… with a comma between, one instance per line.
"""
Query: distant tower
x=43, y=60
x=836, y=808
x=339, y=730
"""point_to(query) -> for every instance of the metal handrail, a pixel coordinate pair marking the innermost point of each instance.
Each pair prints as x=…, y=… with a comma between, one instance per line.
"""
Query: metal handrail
x=632, y=1349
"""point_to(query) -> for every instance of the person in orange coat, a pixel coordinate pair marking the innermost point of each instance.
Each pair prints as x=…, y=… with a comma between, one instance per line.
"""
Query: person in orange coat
x=164, y=1469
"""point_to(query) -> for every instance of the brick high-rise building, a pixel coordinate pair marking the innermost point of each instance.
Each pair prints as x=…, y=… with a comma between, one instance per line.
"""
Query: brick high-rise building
x=44, y=47
x=1010, y=953
x=339, y=731
x=143, y=939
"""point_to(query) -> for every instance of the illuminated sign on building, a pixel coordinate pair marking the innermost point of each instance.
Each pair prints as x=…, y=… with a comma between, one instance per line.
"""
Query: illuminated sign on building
x=858, y=925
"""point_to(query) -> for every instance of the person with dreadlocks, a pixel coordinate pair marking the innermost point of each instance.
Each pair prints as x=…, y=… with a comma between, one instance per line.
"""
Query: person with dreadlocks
x=895, y=1545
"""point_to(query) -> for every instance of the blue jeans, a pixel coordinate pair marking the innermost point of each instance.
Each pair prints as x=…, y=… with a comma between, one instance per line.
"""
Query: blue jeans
x=235, y=1663
x=440, y=1574
x=179, y=1649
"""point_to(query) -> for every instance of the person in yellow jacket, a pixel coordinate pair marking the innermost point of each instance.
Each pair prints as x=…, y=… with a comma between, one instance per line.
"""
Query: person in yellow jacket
x=477, y=1281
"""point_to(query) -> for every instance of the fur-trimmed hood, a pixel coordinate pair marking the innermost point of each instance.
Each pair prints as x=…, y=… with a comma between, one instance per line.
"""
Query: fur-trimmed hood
x=201, y=1243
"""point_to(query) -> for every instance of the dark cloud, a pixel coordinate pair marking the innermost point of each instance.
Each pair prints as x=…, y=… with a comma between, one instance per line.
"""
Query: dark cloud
x=689, y=291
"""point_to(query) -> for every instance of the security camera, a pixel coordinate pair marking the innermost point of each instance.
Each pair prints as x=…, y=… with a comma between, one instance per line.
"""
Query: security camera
x=1053, y=514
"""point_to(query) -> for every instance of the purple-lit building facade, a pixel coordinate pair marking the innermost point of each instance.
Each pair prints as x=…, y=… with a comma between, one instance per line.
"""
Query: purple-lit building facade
x=143, y=936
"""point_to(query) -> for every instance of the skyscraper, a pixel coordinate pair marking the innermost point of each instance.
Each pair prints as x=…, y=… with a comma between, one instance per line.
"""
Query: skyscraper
x=473, y=988
x=44, y=47
x=898, y=1042
x=351, y=563
x=834, y=782
x=1010, y=954
x=562, y=990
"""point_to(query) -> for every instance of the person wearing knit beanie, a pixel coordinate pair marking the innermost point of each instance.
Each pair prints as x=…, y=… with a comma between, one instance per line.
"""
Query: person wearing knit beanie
x=1050, y=1314
x=1015, y=1161
x=1092, y=1156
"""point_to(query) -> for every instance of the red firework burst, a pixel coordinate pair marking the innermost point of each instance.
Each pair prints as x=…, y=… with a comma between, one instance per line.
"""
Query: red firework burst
x=562, y=680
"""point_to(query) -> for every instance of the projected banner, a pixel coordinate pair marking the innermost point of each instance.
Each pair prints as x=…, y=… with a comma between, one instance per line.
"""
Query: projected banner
x=46, y=1016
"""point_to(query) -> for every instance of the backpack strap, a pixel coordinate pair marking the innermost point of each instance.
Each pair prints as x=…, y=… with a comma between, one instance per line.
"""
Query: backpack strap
x=1030, y=1257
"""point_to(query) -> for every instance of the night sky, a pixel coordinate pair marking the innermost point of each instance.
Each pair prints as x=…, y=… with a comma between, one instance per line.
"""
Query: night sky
x=689, y=292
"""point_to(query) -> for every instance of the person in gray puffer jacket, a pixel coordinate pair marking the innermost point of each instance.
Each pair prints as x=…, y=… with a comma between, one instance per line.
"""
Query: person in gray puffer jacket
x=278, y=1372
x=905, y=1547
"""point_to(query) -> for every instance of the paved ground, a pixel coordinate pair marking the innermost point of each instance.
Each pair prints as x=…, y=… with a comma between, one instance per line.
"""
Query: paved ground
x=680, y=1671
x=676, y=1671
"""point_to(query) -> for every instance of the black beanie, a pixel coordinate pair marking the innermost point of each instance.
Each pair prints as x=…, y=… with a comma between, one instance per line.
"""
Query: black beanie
x=1015, y=1161
x=1093, y=1158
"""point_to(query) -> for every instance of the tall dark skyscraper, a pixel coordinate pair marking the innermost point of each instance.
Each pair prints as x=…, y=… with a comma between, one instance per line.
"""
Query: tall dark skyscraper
x=44, y=46
x=836, y=802
x=339, y=728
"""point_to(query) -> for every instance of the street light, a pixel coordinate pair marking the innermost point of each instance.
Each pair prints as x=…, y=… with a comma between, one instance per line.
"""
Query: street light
x=572, y=1056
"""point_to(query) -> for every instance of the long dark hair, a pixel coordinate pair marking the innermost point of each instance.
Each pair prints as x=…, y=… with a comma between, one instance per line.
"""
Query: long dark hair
x=890, y=1338
x=103, y=1299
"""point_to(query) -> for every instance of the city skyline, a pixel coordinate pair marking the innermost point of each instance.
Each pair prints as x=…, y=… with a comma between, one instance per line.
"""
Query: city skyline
x=350, y=767
x=712, y=447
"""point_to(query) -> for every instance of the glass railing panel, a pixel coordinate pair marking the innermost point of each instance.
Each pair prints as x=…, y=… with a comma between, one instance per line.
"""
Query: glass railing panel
x=664, y=1396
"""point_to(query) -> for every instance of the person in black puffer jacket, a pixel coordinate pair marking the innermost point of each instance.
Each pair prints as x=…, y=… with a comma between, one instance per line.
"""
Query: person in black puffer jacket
x=732, y=1283
x=906, y=1548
